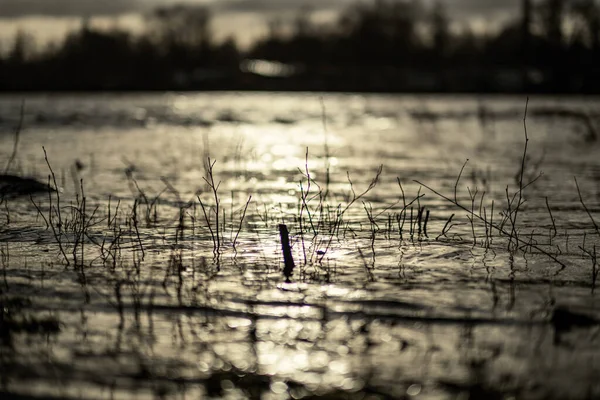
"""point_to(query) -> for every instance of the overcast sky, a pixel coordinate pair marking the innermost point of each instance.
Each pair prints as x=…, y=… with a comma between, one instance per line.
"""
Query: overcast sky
x=19, y=8
x=48, y=19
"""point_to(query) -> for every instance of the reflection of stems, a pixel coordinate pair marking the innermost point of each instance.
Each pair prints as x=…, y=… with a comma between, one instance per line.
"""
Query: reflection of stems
x=135, y=226
x=368, y=268
x=287, y=252
x=5, y=257
x=120, y=308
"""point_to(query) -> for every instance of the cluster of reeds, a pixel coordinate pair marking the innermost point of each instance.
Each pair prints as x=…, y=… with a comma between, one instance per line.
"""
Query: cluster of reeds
x=480, y=216
x=406, y=219
x=517, y=239
x=320, y=222
x=321, y=218
x=114, y=240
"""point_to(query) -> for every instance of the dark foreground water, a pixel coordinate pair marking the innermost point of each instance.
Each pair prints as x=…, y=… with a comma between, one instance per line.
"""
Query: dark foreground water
x=136, y=281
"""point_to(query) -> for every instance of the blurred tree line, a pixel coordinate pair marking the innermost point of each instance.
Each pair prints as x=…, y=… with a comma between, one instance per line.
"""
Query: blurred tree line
x=177, y=51
x=383, y=45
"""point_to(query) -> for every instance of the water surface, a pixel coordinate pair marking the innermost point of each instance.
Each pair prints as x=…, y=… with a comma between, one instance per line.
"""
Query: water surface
x=380, y=304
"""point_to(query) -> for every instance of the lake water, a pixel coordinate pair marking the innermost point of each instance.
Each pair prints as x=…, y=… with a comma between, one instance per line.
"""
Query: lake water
x=140, y=291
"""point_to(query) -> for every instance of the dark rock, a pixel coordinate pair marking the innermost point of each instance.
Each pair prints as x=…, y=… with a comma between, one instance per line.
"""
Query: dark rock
x=12, y=185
